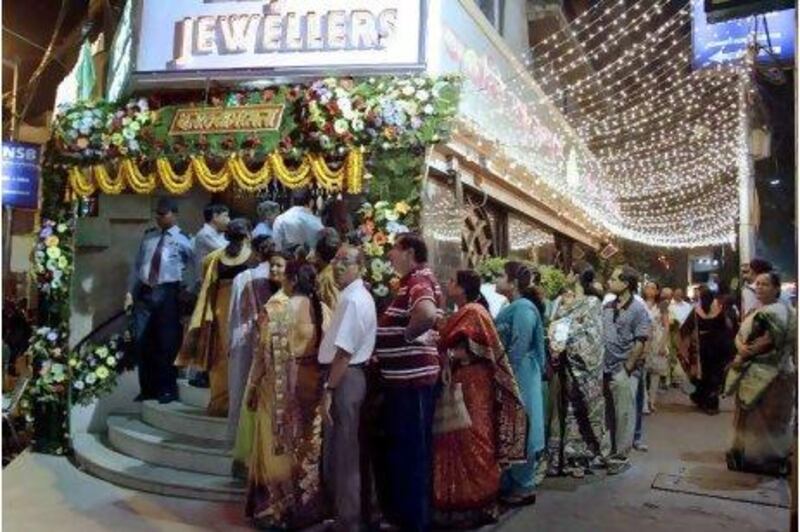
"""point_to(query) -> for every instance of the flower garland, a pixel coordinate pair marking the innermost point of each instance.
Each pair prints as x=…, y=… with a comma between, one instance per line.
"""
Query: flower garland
x=329, y=117
x=49, y=360
x=381, y=223
x=235, y=171
x=95, y=367
x=98, y=130
x=52, y=268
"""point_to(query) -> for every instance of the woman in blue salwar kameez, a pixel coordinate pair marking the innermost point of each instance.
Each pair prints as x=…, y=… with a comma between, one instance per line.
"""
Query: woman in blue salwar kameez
x=521, y=330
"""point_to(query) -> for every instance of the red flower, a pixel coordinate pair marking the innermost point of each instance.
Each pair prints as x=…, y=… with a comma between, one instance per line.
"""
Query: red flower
x=267, y=95
x=332, y=108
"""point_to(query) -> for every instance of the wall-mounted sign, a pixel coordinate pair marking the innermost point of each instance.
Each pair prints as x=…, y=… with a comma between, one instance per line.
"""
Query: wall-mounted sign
x=724, y=42
x=21, y=173
x=191, y=39
x=244, y=119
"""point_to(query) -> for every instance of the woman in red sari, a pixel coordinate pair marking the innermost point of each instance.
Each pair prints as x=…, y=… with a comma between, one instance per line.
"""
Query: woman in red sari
x=467, y=463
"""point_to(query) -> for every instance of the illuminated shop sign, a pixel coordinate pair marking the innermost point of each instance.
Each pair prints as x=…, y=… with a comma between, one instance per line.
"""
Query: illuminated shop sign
x=181, y=38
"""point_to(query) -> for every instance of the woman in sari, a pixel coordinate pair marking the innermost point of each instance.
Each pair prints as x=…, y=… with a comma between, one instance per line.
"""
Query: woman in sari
x=762, y=381
x=285, y=392
x=207, y=340
x=578, y=438
x=251, y=290
x=467, y=463
x=521, y=331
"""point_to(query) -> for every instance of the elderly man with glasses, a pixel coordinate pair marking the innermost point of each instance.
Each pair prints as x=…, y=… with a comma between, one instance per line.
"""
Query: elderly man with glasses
x=346, y=347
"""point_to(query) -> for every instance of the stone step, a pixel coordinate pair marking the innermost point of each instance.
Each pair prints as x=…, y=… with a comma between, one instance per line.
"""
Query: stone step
x=193, y=396
x=95, y=457
x=183, y=419
x=135, y=438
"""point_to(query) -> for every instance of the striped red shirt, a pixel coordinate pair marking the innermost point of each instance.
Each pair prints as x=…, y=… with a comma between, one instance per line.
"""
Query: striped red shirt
x=403, y=363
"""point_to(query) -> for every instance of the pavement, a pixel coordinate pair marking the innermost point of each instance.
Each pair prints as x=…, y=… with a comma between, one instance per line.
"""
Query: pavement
x=682, y=441
x=48, y=493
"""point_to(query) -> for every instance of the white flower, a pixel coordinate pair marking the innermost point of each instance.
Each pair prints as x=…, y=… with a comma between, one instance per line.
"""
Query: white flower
x=111, y=361
x=344, y=104
x=381, y=290
x=340, y=126
x=358, y=124
x=428, y=109
x=142, y=103
x=423, y=95
x=408, y=90
x=78, y=385
x=90, y=379
x=410, y=107
x=419, y=81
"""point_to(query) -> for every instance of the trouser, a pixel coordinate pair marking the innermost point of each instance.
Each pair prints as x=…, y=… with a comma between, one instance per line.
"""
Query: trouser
x=638, y=384
x=341, y=451
x=372, y=435
x=520, y=478
x=652, y=389
x=620, y=411
x=157, y=337
x=408, y=413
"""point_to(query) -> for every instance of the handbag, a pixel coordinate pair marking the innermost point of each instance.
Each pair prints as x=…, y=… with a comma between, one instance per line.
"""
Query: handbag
x=451, y=412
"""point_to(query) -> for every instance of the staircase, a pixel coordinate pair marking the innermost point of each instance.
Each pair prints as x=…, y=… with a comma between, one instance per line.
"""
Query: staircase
x=172, y=449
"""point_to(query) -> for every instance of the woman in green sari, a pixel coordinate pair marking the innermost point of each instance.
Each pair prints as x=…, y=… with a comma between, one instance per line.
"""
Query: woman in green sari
x=762, y=380
x=578, y=438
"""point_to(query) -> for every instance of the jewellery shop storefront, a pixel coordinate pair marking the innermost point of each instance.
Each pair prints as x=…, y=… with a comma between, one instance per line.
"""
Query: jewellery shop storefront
x=372, y=105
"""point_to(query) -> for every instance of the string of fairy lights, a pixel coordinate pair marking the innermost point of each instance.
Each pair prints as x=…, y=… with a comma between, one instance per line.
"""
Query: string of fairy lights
x=657, y=147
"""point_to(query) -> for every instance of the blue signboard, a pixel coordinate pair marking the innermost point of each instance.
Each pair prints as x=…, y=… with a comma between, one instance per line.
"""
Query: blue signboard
x=21, y=173
x=724, y=42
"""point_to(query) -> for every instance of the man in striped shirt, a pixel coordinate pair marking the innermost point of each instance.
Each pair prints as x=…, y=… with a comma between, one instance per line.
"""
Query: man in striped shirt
x=409, y=366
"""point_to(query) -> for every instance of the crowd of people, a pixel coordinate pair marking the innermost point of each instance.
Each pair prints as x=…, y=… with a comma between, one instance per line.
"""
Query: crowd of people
x=419, y=416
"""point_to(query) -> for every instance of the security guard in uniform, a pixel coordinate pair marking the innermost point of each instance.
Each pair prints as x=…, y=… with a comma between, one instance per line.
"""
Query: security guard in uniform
x=164, y=267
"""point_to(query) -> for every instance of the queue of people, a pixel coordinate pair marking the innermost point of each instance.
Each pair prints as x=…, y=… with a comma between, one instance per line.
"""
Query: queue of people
x=472, y=409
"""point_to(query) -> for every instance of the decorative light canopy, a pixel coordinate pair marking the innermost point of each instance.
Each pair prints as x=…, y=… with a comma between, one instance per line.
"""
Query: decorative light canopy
x=660, y=147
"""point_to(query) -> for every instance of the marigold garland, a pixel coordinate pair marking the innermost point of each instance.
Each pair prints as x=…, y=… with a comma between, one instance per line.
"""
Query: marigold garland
x=139, y=183
x=328, y=179
x=105, y=182
x=349, y=176
x=213, y=182
x=174, y=183
x=290, y=178
x=82, y=184
x=246, y=179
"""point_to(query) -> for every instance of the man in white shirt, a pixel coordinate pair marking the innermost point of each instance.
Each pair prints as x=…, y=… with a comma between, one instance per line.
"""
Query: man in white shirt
x=298, y=226
x=679, y=308
x=212, y=235
x=347, y=345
